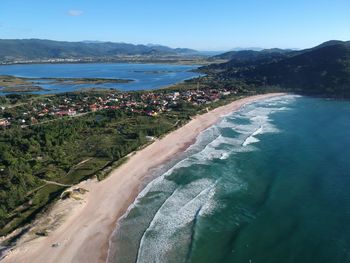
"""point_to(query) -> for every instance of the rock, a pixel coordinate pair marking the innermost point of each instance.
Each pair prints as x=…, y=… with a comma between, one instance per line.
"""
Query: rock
x=55, y=244
x=80, y=190
x=42, y=233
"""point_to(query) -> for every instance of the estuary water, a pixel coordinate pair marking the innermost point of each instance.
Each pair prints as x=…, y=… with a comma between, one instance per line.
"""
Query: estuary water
x=144, y=76
x=269, y=183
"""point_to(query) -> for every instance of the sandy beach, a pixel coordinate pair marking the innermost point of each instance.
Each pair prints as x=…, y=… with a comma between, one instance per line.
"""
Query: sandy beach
x=84, y=234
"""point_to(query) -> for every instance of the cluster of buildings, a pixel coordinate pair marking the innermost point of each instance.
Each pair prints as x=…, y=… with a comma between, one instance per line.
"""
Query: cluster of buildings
x=148, y=103
x=50, y=60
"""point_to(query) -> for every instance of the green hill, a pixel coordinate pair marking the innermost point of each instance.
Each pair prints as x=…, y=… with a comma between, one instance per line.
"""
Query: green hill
x=250, y=55
x=323, y=70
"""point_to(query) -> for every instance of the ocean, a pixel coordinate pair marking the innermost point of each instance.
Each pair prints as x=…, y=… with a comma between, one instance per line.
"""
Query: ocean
x=145, y=76
x=268, y=183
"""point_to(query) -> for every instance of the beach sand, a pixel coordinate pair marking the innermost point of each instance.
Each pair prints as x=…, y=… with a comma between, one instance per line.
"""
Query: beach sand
x=84, y=234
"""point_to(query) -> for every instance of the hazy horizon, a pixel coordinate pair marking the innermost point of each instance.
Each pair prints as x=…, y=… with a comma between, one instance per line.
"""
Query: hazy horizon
x=238, y=48
x=201, y=25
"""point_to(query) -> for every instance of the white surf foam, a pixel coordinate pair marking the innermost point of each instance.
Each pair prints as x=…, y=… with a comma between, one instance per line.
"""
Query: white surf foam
x=182, y=204
x=208, y=145
x=176, y=213
x=251, y=139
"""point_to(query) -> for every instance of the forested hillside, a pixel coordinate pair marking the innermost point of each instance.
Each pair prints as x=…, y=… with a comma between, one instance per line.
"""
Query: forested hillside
x=323, y=70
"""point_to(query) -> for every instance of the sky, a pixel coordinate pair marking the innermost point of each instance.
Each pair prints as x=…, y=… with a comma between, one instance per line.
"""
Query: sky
x=198, y=24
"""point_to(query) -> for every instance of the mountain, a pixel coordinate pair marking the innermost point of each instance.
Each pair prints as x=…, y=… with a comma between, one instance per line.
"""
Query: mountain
x=34, y=49
x=251, y=54
x=331, y=43
x=322, y=70
x=245, y=58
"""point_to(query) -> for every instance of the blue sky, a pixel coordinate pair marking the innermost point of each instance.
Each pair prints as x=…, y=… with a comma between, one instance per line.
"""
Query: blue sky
x=203, y=25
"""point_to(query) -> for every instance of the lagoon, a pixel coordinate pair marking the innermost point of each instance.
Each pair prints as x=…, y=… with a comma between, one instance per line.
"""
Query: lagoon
x=144, y=76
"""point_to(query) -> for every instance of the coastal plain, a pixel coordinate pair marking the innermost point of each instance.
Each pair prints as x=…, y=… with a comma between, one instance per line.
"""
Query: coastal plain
x=84, y=235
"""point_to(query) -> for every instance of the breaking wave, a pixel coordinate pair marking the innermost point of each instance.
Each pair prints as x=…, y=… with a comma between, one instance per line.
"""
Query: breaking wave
x=176, y=201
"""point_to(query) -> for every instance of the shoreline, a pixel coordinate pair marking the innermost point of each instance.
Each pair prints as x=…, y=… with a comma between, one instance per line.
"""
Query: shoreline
x=85, y=234
x=166, y=62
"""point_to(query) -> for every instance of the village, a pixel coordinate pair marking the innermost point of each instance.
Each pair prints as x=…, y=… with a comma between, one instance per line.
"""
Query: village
x=49, y=108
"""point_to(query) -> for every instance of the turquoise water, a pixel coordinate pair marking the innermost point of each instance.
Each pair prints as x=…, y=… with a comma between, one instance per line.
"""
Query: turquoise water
x=145, y=76
x=270, y=183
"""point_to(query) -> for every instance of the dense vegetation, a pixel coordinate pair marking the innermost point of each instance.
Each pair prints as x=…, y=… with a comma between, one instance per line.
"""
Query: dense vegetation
x=323, y=70
x=39, y=161
x=247, y=56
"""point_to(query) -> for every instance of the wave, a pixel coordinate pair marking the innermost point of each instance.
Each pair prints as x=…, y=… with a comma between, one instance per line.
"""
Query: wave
x=208, y=145
x=174, y=219
x=179, y=205
x=251, y=139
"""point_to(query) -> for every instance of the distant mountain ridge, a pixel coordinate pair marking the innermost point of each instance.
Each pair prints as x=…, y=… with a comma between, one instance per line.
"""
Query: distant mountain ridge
x=249, y=54
x=34, y=49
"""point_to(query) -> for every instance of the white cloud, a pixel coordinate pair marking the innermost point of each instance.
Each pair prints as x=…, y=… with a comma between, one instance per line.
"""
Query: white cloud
x=75, y=12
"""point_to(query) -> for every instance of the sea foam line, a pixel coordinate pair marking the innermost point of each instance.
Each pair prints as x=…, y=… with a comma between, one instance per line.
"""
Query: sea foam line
x=175, y=213
x=212, y=136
